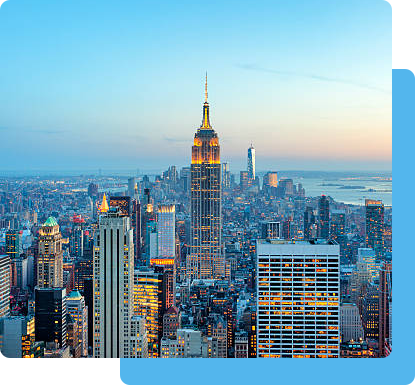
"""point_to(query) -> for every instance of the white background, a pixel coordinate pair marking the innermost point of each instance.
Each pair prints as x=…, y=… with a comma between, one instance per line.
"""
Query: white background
x=107, y=371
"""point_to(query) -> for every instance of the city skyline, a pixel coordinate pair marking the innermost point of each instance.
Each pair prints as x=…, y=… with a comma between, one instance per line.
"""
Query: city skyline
x=95, y=96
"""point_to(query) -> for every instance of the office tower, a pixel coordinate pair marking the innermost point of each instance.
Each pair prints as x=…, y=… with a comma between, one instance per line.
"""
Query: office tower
x=50, y=257
x=77, y=237
x=365, y=272
x=375, y=226
x=206, y=260
x=189, y=344
x=165, y=256
x=241, y=345
x=14, y=245
x=171, y=322
x=89, y=303
x=19, y=271
x=350, y=323
x=217, y=330
x=285, y=188
x=149, y=303
x=14, y=331
x=298, y=299
x=270, y=230
x=370, y=313
x=83, y=271
x=244, y=181
x=166, y=231
x=385, y=302
x=251, y=163
x=79, y=312
x=93, y=190
x=310, y=225
x=131, y=187
x=286, y=229
x=50, y=315
x=338, y=228
x=123, y=204
x=226, y=176
x=139, y=340
x=113, y=285
x=136, y=225
x=185, y=178
x=323, y=217
x=4, y=286
x=270, y=180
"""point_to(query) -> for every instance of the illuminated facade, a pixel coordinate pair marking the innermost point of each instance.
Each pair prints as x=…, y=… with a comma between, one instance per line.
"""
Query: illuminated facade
x=4, y=286
x=375, y=226
x=79, y=312
x=14, y=246
x=149, y=303
x=206, y=260
x=15, y=331
x=50, y=258
x=166, y=231
x=113, y=285
x=298, y=299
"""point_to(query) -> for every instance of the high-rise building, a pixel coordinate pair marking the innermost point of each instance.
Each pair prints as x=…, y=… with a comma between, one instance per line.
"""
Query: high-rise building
x=50, y=315
x=77, y=237
x=385, y=304
x=338, y=228
x=226, y=176
x=270, y=180
x=14, y=332
x=79, y=313
x=139, y=340
x=166, y=231
x=149, y=303
x=206, y=260
x=251, y=163
x=4, y=286
x=244, y=181
x=310, y=225
x=350, y=323
x=14, y=245
x=375, y=226
x=370, y=312
x=323, y=217
x=50, y=258
x=123, y=203
x=298, y=299
x=136, y=225
x=171, y=322
x=113, y=285
x=131, y=187
x=270, y=230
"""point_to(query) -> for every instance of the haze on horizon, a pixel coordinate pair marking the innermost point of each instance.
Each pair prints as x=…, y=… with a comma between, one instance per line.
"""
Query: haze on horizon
x=121, y=86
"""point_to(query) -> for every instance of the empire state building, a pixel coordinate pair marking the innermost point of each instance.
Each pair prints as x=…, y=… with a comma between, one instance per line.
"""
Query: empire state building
x=206, y=259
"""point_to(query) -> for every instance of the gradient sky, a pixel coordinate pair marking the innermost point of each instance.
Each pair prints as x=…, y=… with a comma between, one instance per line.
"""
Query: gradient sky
x=119, y=84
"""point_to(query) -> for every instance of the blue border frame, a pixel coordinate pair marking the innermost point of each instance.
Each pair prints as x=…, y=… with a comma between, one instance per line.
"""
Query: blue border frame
x=395, y=369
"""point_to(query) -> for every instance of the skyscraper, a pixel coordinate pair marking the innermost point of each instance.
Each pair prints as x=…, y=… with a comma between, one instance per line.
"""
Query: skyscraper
x=50, y=315
x=298, y=299
x=206, y=260
x=251, y=164
x=14, y=245
x=113, y=285
x=166, y=231
x=310, y=226
x=385, y=304
x=323, y=217
x=375, y=226
x=4, y=286
x=79, y=312
x=50, y=258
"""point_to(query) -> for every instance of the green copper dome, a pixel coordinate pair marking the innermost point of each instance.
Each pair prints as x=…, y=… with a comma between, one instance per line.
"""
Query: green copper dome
x=50, y=222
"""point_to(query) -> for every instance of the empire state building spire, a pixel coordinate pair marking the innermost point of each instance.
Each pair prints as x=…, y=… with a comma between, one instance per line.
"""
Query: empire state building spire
x=205, y=121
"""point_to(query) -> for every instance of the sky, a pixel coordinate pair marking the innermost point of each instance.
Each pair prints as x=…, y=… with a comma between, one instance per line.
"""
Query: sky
x=120, y=84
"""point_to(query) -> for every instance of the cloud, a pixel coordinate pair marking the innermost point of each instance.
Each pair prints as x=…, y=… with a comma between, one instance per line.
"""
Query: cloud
x=254, y=67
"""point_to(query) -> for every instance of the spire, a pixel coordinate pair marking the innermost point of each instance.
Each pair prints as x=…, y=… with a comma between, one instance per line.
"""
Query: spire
x=205, y=121
x=103, y=208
